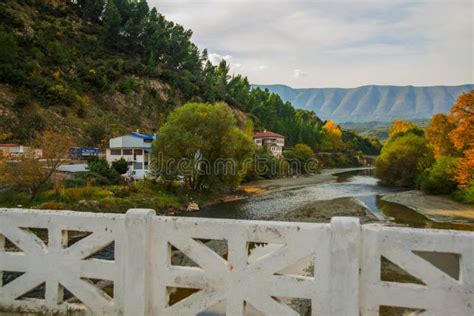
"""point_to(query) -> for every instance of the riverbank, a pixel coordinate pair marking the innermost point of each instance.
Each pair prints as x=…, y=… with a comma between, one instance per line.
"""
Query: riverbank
x=435, y=207
x=262, y=187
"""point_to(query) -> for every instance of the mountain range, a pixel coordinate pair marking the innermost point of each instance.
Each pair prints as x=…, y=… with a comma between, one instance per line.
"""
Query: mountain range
x=372, y=102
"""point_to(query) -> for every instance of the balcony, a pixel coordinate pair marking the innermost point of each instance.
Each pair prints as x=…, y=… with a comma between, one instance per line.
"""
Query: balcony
x=111, y=264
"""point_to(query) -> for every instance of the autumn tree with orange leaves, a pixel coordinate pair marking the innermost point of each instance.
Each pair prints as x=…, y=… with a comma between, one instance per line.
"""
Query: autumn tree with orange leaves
x=31, y=172
x=462, y=115
x=437, y=134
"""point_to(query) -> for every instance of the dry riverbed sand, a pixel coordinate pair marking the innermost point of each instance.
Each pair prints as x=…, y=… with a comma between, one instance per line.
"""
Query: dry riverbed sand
x=435, y=207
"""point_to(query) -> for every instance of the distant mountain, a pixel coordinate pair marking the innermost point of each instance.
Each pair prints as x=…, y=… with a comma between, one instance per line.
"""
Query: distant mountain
x=372, y=103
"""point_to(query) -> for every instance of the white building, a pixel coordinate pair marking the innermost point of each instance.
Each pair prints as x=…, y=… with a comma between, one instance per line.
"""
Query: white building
x=15, y=151
x=135, y=149
x=275, y=142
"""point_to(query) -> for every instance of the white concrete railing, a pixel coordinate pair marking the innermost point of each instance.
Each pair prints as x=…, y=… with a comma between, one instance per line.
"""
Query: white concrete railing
x=345, y=280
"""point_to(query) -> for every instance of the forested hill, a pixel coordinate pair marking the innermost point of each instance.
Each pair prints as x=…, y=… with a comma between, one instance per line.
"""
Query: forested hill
x=97, y=68
x=373, y=103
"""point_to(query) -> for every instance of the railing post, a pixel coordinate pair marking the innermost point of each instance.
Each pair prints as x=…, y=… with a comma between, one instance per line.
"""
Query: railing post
x=345, y=256
x=137, y=263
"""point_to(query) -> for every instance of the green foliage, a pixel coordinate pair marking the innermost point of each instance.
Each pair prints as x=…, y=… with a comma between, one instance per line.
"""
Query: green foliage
x=465, y=195
x=440, y=178
x=264, y=165
x=87, y=52
x=202, y=143
x=57, y=53
x=302, y=160
x=401, y=159
x=9, y=49
x=101, y=173
x=121, y=166
x=356, y=143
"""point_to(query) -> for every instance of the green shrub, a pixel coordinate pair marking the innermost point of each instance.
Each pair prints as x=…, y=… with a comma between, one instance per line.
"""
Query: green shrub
x=100, y=170
x=465, y=195
x=401, y=158
x=440, y=178
x=12, y=198
x=121, y=166
x=74, y=182
x=125, y=191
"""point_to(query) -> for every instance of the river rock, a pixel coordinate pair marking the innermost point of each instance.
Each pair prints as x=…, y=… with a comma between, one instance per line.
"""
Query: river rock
x=192, y=207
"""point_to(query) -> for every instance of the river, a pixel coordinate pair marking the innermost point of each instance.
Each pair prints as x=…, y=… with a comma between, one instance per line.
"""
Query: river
x=358, y=184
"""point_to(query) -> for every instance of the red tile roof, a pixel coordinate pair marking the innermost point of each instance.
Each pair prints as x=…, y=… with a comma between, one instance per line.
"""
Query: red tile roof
x=8, y=145
x=267, y=134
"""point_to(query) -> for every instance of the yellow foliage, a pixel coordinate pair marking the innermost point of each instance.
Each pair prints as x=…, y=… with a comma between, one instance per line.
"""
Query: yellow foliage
x=399, y=126
x=56, y=74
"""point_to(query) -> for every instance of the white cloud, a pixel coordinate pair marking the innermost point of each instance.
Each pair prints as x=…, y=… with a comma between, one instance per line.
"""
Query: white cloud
x=297, y=73
x=215, y=59
x=337, y=43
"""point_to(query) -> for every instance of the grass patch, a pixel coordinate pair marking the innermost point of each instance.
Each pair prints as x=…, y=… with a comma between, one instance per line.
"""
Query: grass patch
x=104, y=199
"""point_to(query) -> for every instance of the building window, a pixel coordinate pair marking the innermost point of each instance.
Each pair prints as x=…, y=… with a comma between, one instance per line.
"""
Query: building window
x=148, y=141
x=127, y=152
x=116, y=152
x=138, y=152
x=137, y=165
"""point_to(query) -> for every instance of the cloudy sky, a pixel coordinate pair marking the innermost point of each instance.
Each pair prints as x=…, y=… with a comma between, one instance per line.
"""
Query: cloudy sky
x=312, y=43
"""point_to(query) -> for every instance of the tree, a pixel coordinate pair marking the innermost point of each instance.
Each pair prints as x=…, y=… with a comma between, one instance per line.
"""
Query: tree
x=301, y=159
x=102, y=172
x=440, y=178
x=112, y=23
x=402, y=159
x=92, y=9
x=332, y=139
x=437, y=134
x=462, y=114
x=121, y=166
x=32, y=172
x=202, y=143
x=399, y=126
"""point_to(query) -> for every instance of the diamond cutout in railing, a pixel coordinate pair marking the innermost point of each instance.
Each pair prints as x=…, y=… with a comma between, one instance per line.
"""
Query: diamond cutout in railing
x=177, y=294
x=178, y=258
x=449, y=263
x=67, y=296
x=395, y=310
x=258, y=250
x=106, y=252
x=74, y=236
x=301, y=306
x=106, y=287
x=36, y=292
x=9, y=246
x=9, y=276
x=303, y=267
x=40, y=235
x=219, y=246
x=391, y=272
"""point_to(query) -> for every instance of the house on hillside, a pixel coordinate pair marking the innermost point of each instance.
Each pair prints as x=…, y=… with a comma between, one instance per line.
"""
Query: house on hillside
x=15, y=151
x=273, y=141
x=135, y=149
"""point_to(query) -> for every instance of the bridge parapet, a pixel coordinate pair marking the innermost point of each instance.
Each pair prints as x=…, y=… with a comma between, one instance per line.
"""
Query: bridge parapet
x=141, y=264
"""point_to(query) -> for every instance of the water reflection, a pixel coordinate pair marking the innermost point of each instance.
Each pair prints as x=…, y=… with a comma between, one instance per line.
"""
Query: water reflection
x=360, y=184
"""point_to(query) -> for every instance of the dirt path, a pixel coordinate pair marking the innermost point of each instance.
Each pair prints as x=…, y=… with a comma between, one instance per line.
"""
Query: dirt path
x=435, y=207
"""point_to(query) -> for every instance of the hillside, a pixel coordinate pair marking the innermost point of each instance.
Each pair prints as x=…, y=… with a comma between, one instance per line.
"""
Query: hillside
x=95, y=68
x=372, y=103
